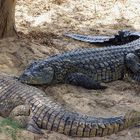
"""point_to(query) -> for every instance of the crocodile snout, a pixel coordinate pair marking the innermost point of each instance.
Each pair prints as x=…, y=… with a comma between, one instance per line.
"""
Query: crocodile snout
x=24, y=78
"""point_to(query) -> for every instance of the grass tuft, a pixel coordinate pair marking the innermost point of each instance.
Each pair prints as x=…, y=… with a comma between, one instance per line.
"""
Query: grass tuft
x=9, y=127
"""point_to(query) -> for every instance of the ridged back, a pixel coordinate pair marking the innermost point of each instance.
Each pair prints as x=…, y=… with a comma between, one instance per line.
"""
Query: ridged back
x=51, y=116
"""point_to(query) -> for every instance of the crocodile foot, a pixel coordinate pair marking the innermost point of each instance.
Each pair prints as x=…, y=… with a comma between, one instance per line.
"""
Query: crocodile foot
x=21, y=115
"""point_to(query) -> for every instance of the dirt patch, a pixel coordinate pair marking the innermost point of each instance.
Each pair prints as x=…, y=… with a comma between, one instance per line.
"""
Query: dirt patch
x=41, y=25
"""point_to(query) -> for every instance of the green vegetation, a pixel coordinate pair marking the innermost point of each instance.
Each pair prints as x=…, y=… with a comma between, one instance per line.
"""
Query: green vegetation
x=9, y=127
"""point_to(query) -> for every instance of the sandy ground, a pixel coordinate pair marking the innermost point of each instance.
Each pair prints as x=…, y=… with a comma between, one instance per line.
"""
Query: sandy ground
x=41, y=25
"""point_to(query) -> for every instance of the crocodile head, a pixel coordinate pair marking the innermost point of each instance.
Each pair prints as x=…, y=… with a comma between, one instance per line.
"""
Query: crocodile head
x=37, y=73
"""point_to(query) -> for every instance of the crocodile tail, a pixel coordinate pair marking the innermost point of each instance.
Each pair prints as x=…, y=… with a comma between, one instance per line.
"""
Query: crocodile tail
x=77, y=125
x=85, y=126
x=88, y=38
x=122, y=37
x=54, y=117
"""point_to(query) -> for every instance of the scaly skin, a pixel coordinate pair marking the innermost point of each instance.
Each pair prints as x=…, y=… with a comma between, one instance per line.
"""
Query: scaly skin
x=123, y=37
x=45, y=113
x=86, y=67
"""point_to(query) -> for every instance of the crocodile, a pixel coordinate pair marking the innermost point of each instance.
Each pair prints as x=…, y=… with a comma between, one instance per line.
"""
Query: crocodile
x=42, y=113
x=122, y=37
x=89, y=67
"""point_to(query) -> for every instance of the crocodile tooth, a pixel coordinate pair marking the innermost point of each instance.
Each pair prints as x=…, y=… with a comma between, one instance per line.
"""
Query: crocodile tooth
x=101, y=125
x=95, y=125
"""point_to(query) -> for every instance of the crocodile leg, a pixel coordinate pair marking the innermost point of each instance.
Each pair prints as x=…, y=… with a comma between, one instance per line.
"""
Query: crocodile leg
x=133, y=63
x=126, y=36
x=79, y=79
x=32, y=127
x=21, y=115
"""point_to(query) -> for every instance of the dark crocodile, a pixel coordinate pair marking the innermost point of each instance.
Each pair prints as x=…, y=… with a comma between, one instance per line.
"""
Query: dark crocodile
x=87, y=67
x=42, y=112
x=122, y=37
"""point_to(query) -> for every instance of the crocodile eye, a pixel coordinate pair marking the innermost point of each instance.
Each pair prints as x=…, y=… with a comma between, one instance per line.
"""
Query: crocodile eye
x=35, y=62
x=31, y=65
